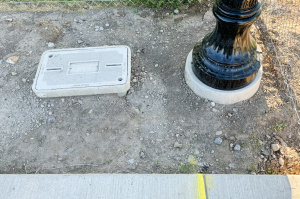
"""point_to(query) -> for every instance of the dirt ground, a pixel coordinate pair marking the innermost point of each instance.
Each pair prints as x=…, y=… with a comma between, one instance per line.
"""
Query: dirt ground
x=161, y=126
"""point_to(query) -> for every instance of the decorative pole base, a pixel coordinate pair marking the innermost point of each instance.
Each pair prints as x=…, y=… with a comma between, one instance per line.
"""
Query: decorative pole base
x=221, y=96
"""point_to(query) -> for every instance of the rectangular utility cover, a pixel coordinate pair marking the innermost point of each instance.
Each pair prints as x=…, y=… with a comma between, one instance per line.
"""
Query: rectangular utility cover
x=83, y=71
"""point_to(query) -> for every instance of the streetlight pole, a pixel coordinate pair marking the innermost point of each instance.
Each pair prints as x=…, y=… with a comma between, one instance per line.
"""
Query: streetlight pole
x=227, y=59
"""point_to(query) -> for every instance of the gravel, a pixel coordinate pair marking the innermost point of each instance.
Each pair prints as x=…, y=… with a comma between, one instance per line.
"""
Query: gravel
x=50, y=45
x=281, y=161
x=218, y=140
x=177, y=145
x=237, y=147
x=275, y=147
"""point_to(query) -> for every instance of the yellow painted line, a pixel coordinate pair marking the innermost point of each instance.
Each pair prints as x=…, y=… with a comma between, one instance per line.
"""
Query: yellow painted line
x=201, y=187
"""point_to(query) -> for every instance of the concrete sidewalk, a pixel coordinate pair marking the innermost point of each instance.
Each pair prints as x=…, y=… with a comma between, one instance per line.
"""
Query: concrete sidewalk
x=152, y=186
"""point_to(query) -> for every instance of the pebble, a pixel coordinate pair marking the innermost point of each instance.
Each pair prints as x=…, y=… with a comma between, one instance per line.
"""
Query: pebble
x=212, y=151
x=215, y=110
x=231, y=166
x=281, y=161
x=9, y=19
x=218, y=140
x=14, y=73
x=142, y=155
x=232, y=138
x=101, y=28
x=24, y=80
x=85, y=7
x=0, y=61
x=231, y=145
x=219, y=133
x=70, y=150
x=50, y=45
x=213, y=104
x=237, y=147
x=69, y=133
x=275, y=147
x=13, y=59
x=161, y=31
x=177, y=145
x=50, y=119
x=176, y=11
x=79, y=41
x=156, y=65
x=235, y=110
x=107, y=25
x=131, y=161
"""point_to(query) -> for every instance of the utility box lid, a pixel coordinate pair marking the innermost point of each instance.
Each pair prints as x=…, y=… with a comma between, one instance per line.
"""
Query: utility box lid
x=85, y=71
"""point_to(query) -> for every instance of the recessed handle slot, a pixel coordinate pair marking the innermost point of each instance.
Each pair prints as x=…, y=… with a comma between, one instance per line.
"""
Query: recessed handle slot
x=108, y=65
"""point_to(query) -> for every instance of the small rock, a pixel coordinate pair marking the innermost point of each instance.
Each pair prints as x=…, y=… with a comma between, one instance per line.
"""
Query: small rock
x=219, y=133
x=268, y=137
x=229, y=115
x=156, y=65
x=237, y=147
x=79, y=41
x=161, y=31
x=218, y=140
x=24, y=80
x=232, y=138
x=231, y=145
x=97, y=27
x=14, y=73
x=235, y=110
x=59, y=159
x=9, y=19
x=50, y=119
x=101, y=28
x=107, y=25
x=213, y=104
x=177, y=145
x=131, y=161
x=281, y=161
x=142, y=155
x=275, y=147
x=70, y=150
x=176, y=11
x=85, y=7
x=215, y=110
x=231, y=166
x=50, y=45
x=13, y=59
x=69, y=133
x=212, y=151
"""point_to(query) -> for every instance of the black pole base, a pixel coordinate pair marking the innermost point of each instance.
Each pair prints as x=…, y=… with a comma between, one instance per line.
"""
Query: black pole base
x=226, y=59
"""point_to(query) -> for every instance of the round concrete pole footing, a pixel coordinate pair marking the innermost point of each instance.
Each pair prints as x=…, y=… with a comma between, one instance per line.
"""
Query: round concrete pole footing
x=216, y=95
